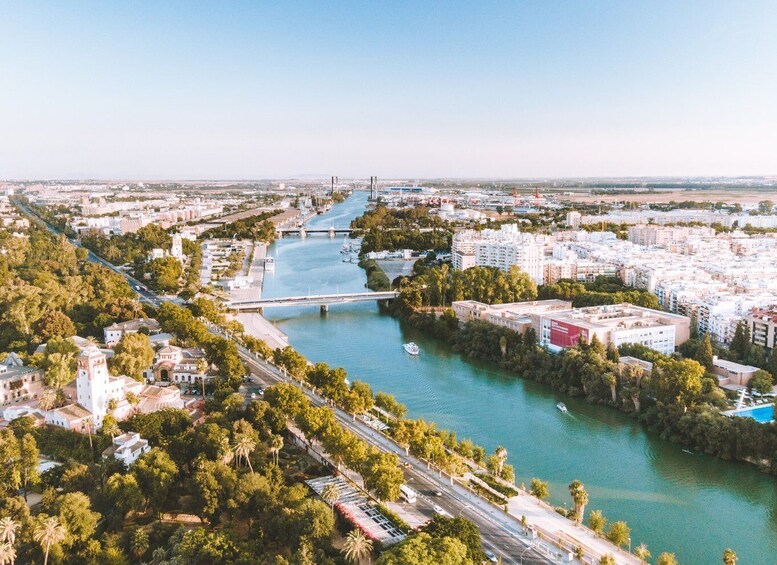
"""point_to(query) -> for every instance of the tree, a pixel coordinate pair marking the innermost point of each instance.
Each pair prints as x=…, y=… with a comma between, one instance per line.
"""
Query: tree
x=8, y=527
x=165, y=273
x=139, y=543
x=54, y=324
x=244, y=447
x=133, y=354
x=383, y=475
x=460, y=529
x=48, y=399
x=642, y=552
x=619, y=533
x=331, y=494
x=155, y=472
x=357, y=546
x=597, y=521
x=667, y=559
x=110, y=426
x=771, y=363
x=276, y=444
x=539, y=489
x=501, y=455
x=59, y=369
x=761, y=382
x=607, y=560
x=421, y=549
x=704, y=353
x=677, y=382
x=729, y=557
x=7, y=553
x=741, y=343
x=390, y=404
x=77, y=517
x=28, y=462
x=580, y=498
x=48, y=532
x=124, y=493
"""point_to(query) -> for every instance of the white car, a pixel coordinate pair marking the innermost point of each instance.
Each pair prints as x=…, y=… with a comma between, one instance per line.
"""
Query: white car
x=439, y=510
x=490, y=556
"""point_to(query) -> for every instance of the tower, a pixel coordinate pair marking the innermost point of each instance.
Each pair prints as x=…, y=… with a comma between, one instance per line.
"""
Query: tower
x=93, y=383
x=176, y=250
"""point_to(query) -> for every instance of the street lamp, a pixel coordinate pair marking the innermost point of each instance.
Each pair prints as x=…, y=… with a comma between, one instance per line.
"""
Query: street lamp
x=524, y=551
x=629, y=544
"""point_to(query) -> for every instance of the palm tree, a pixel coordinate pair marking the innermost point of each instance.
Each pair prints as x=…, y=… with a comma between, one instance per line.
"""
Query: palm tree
x=579, y=497
x=642, y=552
x=501, y=454
x=139, y=543
x=47, y=533
x=7, y=553
x=48, y=399
x=243, y=449
x=331, y=494
x=357, y=546
x=8, y=529
x=276, y=444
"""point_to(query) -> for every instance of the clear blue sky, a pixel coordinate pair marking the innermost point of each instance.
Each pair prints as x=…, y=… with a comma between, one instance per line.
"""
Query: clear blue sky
x=398, y=89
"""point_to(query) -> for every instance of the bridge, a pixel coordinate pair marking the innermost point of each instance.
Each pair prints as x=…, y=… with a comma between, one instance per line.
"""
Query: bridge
x=303, y=231
x=322, y=300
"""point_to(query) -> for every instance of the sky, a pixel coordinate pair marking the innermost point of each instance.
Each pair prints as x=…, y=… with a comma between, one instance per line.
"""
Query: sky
x=417, y=89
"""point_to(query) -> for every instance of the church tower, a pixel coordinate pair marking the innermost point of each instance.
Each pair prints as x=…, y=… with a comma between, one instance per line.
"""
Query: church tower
x=93, y=383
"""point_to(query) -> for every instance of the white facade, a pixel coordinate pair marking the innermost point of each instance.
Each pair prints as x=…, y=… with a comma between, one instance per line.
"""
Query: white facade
x=127, y=448
x=94, y=386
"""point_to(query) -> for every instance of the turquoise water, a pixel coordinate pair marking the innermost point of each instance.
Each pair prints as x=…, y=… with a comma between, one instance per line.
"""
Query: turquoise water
x=763, y=414
x=692, y=505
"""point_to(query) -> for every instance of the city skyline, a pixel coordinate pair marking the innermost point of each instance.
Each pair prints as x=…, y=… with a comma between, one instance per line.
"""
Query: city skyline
x=244, y=91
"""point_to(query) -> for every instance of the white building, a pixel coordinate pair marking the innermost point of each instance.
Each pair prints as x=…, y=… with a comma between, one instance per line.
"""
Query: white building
x=115, y=332
x=127, y=448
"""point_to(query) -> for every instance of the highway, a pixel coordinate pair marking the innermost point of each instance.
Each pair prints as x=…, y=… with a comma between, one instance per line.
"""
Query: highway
x=500, y=532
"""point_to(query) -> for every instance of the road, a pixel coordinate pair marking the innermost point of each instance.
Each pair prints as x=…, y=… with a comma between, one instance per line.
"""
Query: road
x=500, y=532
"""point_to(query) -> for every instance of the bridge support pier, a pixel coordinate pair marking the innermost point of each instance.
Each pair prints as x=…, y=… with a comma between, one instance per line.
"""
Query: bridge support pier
x=331, y=232
x=302, y=233
x=324, y=308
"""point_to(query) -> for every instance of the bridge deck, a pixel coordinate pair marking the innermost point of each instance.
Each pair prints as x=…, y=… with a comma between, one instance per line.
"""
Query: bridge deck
x=314, y=300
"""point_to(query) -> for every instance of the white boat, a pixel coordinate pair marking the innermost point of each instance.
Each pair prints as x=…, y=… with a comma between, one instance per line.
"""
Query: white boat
x=269, y=264
x=562, y=407
x=412, y=348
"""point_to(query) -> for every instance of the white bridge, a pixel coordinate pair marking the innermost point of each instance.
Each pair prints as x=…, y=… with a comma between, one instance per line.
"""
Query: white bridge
x=323, y=300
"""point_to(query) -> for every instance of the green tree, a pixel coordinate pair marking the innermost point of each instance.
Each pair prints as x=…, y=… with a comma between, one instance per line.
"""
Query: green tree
x=244, y=447
x=139, y=543
x=704, y=353
x=539, y=489
x=677, y=382
x=619, y=533
x=667, y=559
x=607, y=560
x=77, y=517
x=133, y=354
x=165, y=274
x=331, y=494
x=28, y=462
x=54, y=324
x=460, y=529
x=771, y=363
x=761, y=382
x=357, y=546
x=729, y=557
x=421, y=549
x=155, y=472
x=741, y=343
x=124, y=493
x=579, y=498
x=59, y=369
x=642, y=552
x=388, y=403
x=597, y=522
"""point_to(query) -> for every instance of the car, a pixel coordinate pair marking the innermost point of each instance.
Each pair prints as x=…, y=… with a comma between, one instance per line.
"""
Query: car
x=439, y=510
x=490, y=556
x=438, y=493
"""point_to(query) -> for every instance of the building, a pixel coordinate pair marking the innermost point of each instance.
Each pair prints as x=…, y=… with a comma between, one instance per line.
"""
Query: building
x=176, y=250
x=516, y=316
x=662, y=236
x=115, y=332
x=503, y=248
x=19, y=383
x=179, y=365
x=763, y=327
x=97, y=392
x=127, y=448
x=617, y=324
x=573, y=219
x=730, y=374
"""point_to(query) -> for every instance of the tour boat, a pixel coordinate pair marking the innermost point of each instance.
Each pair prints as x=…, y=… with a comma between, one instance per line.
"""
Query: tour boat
x=412, y=348
x=562, y=407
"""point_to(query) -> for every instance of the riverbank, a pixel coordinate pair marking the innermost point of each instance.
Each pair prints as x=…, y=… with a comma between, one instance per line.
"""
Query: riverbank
x=692, y=505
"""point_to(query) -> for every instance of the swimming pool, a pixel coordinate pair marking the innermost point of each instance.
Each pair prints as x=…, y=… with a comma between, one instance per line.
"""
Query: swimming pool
x=763, y=414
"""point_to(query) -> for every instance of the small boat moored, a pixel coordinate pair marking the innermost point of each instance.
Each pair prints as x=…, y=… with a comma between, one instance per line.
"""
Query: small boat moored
x=411, y=348
x=562, y=407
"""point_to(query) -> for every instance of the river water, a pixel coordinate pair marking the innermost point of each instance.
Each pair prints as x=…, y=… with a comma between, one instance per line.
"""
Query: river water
x=692, y=505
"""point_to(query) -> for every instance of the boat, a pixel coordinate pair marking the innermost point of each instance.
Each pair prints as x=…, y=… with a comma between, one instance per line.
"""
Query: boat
x=688, y=451
x=562, y=407
x=412, y=348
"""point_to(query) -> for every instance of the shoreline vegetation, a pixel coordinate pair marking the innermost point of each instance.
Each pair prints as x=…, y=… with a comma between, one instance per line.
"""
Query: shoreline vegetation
x=679, y=402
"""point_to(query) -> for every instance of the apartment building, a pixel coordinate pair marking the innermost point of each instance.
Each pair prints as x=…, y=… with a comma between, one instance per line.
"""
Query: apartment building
x=763, y=327
x=516, y=316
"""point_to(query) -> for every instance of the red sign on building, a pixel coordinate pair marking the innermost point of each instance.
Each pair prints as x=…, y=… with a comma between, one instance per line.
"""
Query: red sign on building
x=563, y=334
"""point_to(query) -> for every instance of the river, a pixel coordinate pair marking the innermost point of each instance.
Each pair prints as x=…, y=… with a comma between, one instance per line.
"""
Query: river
x=692, y=505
